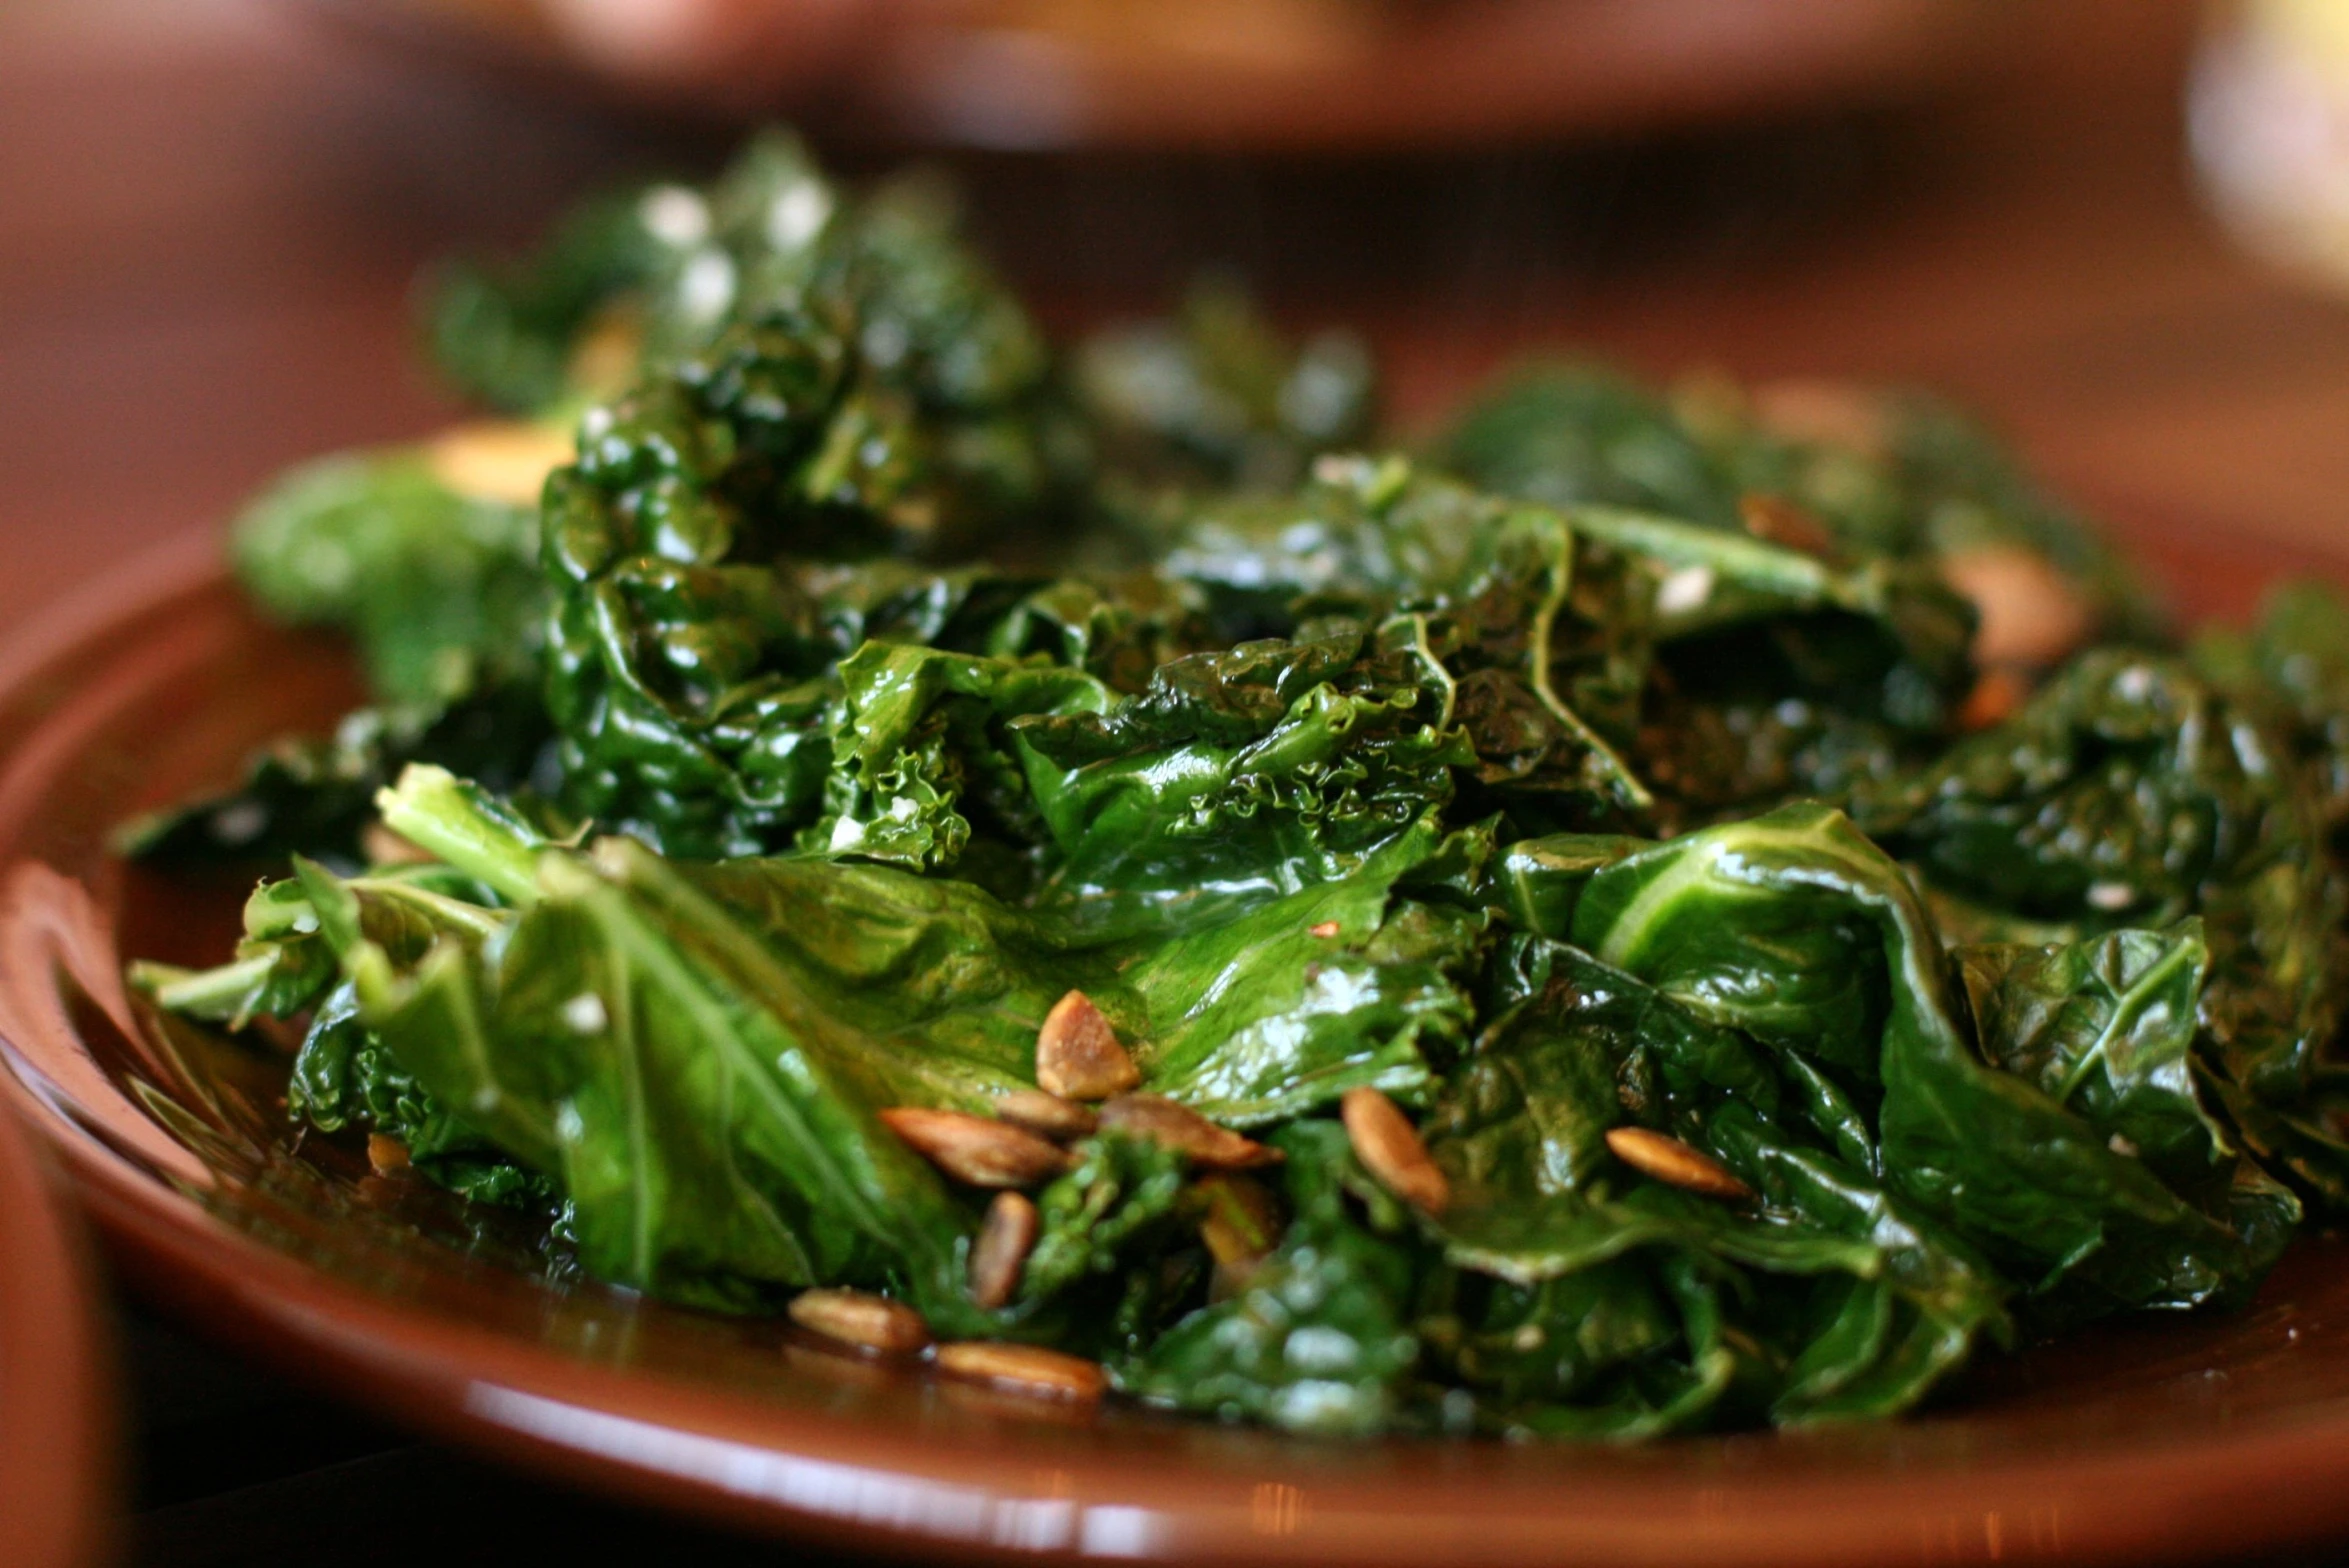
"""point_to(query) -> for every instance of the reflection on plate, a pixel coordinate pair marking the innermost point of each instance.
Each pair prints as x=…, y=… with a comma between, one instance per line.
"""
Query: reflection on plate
x=52, y=1420
x=2151, y=1440
x=1261, y=74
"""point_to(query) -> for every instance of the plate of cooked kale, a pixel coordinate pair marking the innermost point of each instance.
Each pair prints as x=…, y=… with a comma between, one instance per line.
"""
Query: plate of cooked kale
x=847, y=917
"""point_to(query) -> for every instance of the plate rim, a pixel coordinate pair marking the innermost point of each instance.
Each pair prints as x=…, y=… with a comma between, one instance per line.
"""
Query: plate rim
x=56, y=1424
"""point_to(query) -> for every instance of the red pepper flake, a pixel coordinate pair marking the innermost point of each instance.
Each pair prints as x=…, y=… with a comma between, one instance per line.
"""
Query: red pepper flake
x=1327, y=928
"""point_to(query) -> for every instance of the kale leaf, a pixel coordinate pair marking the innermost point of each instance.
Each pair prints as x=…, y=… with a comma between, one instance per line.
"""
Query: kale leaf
x=2132, y=791
x=1796, y=930
x=1319, y=1338
x=440, y=588
x=1798, y=979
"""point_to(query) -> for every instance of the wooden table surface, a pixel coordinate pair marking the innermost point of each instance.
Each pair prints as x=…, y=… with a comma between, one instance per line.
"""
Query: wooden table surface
x=210, y=211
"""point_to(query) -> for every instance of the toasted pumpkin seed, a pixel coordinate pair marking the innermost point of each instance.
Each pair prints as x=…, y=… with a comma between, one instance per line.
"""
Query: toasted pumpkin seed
x=1028, y=1369
x=2032, y=613
x=1389, y=1148
x=1178, y=1127
x=1676, y=1164
x=975, y=1149
x=856, y=1317
x=1047, y=1115
x=1002, y=1249
x=1077, y=1054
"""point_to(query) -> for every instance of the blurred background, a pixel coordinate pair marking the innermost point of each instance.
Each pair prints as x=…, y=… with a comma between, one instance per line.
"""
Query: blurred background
x=2120, y=228
x=210, y=210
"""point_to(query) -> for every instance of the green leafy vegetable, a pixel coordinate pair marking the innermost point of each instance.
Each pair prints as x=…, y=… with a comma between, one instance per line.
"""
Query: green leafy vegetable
x=1217, y=397
x=1785, y=1010
x=2130, y=791
x=1799, y=932
x=1900, y=475
x=440, y=589
x=1317, y=1341
x=1121, y=1191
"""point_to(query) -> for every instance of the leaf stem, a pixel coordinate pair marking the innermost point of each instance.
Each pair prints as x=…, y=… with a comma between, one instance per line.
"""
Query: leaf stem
x=459, y=823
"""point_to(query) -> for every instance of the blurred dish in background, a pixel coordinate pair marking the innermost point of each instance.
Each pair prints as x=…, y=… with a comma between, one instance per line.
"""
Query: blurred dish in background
x=1210, y=73
x=2270, y=125
x=52, y=1430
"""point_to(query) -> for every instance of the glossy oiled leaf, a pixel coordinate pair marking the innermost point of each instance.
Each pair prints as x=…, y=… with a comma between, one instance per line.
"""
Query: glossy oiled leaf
x=1216, y=785
x=287, y=959
x=1318, y=1340
x=1339, y=985
x=1797, y=931
x=2106, y=1026
x=941, y=987
x=696, y=1054
x=345, y=1077
x=1252, y=1017
x=1896, y=474
x=876, y=682
x=2131, y=791
x=1610, y=667
x=857, y=384
x=1111, y=1206
x=1540, y=1199
x=712, y=1125
x=288, y=966
x=916, y=728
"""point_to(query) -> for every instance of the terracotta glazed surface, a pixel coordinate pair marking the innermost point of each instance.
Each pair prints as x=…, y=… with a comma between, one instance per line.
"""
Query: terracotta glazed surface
x=1260, y=74
x=2145, y=1441
x=53, y=1429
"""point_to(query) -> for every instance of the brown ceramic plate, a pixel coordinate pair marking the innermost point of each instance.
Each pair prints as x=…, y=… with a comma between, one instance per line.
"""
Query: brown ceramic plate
x=53, y=1450
x=1248, y=74
x=2146, y=1440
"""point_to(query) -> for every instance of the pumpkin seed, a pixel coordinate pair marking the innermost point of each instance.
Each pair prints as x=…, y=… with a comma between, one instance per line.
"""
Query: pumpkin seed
x=1077, y=1054
x=1047, y=1115
x=1676, y=1164
x=1028, y=1369
x=1002, y=1249
x=975, y=1149
x=856, y=1317
x=1178, y=1127
x=1390, y=1149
